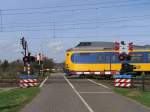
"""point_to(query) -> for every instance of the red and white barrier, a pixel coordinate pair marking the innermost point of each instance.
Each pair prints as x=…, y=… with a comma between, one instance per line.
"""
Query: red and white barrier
x=28, y=83
x=122, y=82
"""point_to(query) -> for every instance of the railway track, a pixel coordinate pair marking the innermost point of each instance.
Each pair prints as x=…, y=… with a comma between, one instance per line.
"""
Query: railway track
x=7, y=82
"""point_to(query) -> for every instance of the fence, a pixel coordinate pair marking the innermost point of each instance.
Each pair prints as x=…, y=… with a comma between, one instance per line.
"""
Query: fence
x=142, y=83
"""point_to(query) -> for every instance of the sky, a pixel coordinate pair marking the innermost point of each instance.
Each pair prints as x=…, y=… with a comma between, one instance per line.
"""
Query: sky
x=53, y=26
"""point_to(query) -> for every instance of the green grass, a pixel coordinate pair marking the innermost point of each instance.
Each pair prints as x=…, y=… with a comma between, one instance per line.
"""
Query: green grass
x=142, y=97
x=14, y=100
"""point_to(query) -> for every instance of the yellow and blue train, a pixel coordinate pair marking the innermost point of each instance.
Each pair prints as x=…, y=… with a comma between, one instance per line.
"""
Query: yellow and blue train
x=104, y=61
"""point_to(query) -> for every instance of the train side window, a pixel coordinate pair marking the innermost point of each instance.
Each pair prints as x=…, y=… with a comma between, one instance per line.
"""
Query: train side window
x=110, y=57
x=149, y=57
x=100, y=57
x=86, y=58
x=113, y=58
x=106, y=58
x=137, y=57
x=83, y=58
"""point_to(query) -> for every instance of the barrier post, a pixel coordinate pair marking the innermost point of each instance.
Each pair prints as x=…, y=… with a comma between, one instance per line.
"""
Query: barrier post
x=123, y=81
x=28, y=81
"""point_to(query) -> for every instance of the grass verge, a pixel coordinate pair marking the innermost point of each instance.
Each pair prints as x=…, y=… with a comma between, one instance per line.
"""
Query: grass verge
x=14, y=100
x=142, y=97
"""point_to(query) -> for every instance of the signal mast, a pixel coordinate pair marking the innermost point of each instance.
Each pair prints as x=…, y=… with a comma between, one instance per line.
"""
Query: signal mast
x=27, y=58
x=124, y=54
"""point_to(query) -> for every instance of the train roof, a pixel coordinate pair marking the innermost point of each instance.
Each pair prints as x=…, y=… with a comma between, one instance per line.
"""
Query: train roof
x=104, y=46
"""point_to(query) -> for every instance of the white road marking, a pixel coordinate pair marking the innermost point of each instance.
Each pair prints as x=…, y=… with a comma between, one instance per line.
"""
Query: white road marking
x=98, y=83
x=41, y=85
x=81, y=98
x=96, y=92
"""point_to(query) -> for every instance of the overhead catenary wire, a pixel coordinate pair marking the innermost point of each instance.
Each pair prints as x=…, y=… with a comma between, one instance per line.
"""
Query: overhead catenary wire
x=81, y=4
x=82, y=36
x=83, y=23
x=131, y=18
x=77, y=28
x=96, y=21
x=73, y=10
x=52, y=11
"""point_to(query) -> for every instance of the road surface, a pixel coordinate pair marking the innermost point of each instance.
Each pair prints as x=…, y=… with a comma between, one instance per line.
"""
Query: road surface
x=60, y=94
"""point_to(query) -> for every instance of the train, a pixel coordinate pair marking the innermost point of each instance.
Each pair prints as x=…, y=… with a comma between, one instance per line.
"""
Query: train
x=103, y=61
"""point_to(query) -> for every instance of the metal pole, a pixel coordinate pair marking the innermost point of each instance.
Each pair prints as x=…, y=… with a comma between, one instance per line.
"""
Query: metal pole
x=29, y=69
x=25, y=52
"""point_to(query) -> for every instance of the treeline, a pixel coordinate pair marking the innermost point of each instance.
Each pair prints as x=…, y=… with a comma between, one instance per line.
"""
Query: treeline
x=14, y=68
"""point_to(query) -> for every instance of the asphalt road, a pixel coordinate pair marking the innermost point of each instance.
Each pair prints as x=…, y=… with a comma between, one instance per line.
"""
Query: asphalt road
x=60, y=94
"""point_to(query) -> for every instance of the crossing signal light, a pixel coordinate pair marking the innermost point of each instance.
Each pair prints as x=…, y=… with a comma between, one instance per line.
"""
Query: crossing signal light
x=29, y=59
x=122, y=57
x=26, y=59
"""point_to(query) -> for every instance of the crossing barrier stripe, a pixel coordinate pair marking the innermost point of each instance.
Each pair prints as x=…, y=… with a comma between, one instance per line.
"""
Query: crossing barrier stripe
x=122, y=85
x=117, y=80
x=128, y=85
x=117, y=84
x=129, y=80
x=28, y=82
x=122, y=80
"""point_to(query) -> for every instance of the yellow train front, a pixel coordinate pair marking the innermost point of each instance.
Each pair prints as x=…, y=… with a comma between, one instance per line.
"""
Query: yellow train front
x=103, y=61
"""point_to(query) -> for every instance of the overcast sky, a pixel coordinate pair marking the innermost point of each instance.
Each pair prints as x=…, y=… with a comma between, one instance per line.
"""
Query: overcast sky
x=52, y=26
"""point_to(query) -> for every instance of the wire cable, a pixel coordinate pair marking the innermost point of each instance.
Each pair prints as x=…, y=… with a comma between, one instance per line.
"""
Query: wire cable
x=72, y=10
x=74, y=5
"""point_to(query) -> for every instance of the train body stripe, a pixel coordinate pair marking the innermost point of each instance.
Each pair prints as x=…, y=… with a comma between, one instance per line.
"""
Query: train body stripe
x=97, y=72
x=86, y=72
x=79, y=73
